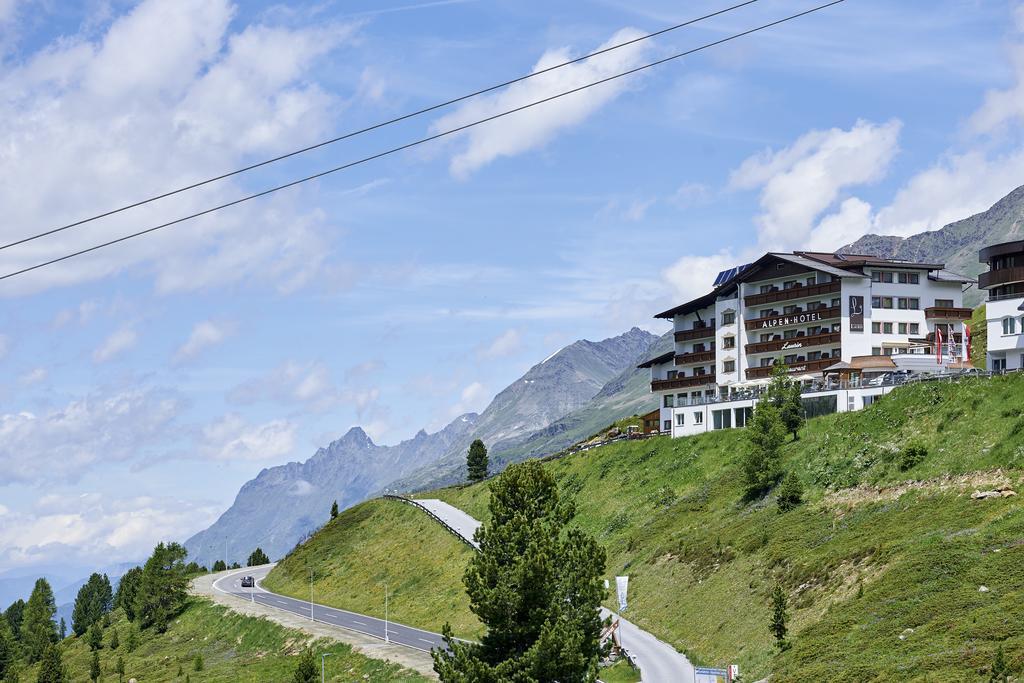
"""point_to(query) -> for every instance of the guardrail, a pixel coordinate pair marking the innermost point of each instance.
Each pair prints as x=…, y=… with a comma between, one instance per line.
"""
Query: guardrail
x=415, y=503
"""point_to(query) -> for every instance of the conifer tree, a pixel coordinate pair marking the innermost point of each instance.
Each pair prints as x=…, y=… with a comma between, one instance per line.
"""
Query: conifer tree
x=63, y=629
x=8, y=649
x=94, y=601
x=94, y=667
x=257, y=557
x=535, y=586
x=51, y=666
x=119, y=669
x=127, y=589
x=765, y=436
x=38, y=629
x=15, y=614
x=163, y=587
x=220, y=565
x=197, y=663
x=334, y=509
x=305, y=670
x=1000, y=669
x=95, y=637
x=791, y=492
x=476, y=461
x=115, y=642
x=780, y=617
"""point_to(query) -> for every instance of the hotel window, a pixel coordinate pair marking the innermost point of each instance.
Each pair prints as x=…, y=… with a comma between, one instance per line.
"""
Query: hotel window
x=914, y=328
x=790, y=359
x=835, y=303
x=765, y=289
x=881, y=276
x=698, y=418
x=672, y=374
x=788, y=310
x=722, y=418
x=729, y=366
x=767, y=312
x=881, y=302
x=789, y=284
x=814, y=355
x=728, y=318
x=668, y=426
x=789, y=334
x=943, y=303
x=669, y=401
x=903, y=328
x=836, y=353
x=766, y=337
x=909, y=303
x=767, y=362
x=680, y=419
x=876, y=351
x=811, y=281
x=728, y=342
x=1009, y=326
x=909, y=279
x=680, y=400
x=886, y=328
x=876, y=328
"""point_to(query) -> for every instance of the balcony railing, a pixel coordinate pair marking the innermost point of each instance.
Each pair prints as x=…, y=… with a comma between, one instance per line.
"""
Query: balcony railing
x=1001, y=276
x=797, y=368
x=947, y=313
x=695, y=357
x=796, y=318
x=958, y=338
x=794, y=343
x=682, y=382
x=797, y=292
x=704, y=332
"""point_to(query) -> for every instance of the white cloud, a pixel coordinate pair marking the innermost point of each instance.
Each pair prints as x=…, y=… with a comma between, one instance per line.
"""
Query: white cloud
x=691, y=194
x=167, y=95
x=63, y=443
x=90, y=529
x=692, y=276
x=232, y=438
x=118, y=342
x=292, y=382
x=798, y=183
x=505, y=344
x=472, y=399
x=204, y=335
x=34, y=376
x=533, y=128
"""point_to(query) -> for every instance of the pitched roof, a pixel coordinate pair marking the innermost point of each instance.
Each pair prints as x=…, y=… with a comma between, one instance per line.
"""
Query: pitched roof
x=658, y=360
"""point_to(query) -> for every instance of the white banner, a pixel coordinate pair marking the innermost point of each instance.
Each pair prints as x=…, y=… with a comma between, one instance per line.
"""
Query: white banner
x=621, y=586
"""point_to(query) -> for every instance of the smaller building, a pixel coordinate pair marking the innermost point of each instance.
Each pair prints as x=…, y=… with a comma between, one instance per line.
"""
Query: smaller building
x=652, y=422
x=1004, y=307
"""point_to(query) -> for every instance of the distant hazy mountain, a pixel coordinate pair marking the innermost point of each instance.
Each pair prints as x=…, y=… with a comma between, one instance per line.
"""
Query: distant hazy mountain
x=283, y=504
x=956, y=244
x=563, y=383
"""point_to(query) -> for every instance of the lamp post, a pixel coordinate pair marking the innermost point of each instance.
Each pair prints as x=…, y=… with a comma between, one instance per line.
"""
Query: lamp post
x=311, y=595
x=323, y=656
x=386, y=638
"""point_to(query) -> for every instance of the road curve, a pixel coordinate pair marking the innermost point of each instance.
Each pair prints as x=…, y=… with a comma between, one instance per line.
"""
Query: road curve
x=659, y=662
x=397, y=634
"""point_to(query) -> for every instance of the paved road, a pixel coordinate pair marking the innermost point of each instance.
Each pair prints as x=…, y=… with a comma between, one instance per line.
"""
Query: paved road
x=398, y=634
x=658, y=661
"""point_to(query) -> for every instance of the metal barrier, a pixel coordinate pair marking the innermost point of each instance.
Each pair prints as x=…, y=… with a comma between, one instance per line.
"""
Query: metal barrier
x=416, y=503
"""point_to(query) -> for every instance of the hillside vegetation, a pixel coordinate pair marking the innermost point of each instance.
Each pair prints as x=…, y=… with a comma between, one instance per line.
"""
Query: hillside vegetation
x=233, y=648
x=383, y=542
x=883, y=565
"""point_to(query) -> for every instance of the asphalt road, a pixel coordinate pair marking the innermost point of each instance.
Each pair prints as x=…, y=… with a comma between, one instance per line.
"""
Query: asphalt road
x=659, y=662
x=398, y=634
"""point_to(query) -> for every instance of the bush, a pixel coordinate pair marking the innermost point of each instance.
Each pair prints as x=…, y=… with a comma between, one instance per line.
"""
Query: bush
x=791, y=492
x=912, y=455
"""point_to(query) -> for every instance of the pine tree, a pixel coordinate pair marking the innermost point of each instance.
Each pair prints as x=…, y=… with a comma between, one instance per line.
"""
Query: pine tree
x=94, y=667
x=127, y=590
x=115, y=642
x=791, y=492
x=334, y=510
x=163, y=587
x=1000, y=669
x=8, y=649
x=15, y=614
x=63, y=629
x=780, y=617
x=197, y=663
x=535, y=586
x=119, y=669
x=785, y=395
x=51, y=667
x=38, y=630
x=95, y=635
x=765, y=436
x=257, y=557
x=476, y=461
x=305, y=670
x=133, y=639
x=220, y=565
x=94, y=601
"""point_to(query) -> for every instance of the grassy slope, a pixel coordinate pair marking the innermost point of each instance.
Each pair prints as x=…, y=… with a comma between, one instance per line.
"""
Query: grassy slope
x=702, y=564
x=234, y=648
x=381, y=542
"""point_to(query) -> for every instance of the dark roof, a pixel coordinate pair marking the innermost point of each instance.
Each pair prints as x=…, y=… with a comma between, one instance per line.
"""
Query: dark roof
x=943, y=275
x=860, y=260
x=658, y=360
x=691, y=306
x=990, y=252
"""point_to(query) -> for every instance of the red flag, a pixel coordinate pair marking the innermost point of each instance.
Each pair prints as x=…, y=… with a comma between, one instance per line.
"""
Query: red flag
x=938, y=345
x=967, y=340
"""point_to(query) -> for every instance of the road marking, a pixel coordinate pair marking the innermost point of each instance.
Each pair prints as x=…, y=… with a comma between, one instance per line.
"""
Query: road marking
x=427, y=641
x=361, y=623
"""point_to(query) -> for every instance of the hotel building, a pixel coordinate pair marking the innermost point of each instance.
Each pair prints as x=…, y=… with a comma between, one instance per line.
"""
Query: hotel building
x=811, y=311
x=1004, y=309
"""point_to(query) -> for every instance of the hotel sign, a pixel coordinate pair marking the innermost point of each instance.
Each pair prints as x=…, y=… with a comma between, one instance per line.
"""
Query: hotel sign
x=797, y=319
x=856, y=313
x=792, y=345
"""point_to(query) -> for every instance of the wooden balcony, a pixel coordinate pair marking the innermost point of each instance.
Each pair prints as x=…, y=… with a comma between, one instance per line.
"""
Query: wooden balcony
x=706, y=332
x=683, y=382
x=799, y=368
x=801, y=318
x=1002, y=276
x=797, y=292
x=696, y=357
x=828, y=338
x=958, y=338
x=947, y=313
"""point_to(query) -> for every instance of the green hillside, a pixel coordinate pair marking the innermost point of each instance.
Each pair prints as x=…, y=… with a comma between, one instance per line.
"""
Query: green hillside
x=233, y=648
x=883, y=544
x=383, y=542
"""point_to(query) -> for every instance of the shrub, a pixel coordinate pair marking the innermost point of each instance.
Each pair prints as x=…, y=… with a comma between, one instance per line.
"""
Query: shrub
x=912, y=455
x=791, y=492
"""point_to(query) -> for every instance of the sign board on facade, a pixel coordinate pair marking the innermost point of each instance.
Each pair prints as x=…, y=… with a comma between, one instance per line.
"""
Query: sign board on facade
x=856, y=313
x=791, y=320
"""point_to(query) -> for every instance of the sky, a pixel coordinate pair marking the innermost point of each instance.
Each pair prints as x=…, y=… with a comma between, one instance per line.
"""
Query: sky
x=142, y=384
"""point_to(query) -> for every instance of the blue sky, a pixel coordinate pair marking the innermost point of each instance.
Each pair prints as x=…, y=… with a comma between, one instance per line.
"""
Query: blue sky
x=142, y=385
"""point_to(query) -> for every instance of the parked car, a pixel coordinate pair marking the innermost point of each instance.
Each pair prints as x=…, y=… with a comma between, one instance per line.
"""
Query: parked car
x=248, y=582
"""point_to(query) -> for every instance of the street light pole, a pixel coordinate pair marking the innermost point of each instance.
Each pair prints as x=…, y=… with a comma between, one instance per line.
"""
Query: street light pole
x=311, y=595
x=323, y=656
x=386, y=639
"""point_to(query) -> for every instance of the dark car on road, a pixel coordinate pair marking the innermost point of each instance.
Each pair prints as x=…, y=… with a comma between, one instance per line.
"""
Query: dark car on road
x=248, y=582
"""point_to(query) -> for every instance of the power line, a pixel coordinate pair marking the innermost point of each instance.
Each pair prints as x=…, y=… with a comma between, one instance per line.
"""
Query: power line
x=421, y=141
x=368, y=129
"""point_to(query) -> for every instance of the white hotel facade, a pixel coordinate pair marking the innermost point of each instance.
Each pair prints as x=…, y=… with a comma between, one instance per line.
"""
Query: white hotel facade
x=1004, y=309
x=811, y=311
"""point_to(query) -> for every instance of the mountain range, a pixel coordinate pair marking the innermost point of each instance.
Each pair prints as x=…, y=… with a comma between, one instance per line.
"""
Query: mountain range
x=584, y=376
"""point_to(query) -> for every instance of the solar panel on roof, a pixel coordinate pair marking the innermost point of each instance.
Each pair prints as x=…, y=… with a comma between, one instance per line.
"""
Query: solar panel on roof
x=727, y=275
